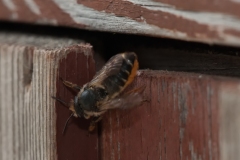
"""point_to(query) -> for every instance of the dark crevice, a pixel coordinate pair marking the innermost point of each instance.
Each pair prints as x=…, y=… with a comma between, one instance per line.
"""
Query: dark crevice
x=28, y=66
x=154, y=53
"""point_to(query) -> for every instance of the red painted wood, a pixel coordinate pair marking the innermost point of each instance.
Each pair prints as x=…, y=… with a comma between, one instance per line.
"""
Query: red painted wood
x=224, y=6
x=152, y=17
x=202, y=21
x=179, y=122
x=78, y=67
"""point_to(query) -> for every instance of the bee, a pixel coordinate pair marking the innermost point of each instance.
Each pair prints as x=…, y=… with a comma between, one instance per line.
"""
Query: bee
x=104, y=91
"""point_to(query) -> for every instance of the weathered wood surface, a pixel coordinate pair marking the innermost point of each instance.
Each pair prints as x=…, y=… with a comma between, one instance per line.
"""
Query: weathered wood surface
x=188, y=116
x=31, y=122
x=76, y=143
x=214, y=22
x=229, y=109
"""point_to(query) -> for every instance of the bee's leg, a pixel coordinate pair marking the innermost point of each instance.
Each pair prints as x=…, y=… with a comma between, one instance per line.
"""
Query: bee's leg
x=69, y=105
x=93, y=123
x=66, y=123
x=61, y=101
x=71, y=85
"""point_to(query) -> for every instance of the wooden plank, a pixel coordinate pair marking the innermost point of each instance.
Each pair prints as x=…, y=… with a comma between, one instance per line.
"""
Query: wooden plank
x=183, y=119
x=27, y=132
x=31, y=122
x=153, y=53
x=229, y=121
x=77, y=67
x=202, y=21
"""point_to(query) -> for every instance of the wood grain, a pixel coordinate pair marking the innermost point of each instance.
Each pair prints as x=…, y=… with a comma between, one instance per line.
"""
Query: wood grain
x=29, y=118
x=229, y=121
x=27, y=113
x=202, y=21
x=76, y=143
x=188, y=116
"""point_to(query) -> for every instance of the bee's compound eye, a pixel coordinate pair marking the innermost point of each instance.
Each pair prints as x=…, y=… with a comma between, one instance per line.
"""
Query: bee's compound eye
x=87, y=99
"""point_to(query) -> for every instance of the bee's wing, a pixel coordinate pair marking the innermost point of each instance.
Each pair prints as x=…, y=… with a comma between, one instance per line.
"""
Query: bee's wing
x=125, y=101
x=111, y=67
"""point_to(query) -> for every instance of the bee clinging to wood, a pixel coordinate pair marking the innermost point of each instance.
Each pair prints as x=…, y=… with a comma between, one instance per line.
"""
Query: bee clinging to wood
x=104, y=91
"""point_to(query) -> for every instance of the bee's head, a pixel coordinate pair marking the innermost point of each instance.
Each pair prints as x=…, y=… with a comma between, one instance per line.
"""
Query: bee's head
x=84, y=101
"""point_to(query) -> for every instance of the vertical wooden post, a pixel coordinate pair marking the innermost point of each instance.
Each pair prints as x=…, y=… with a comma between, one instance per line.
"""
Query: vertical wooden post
x=229, y=120
x=30, y=123
x=78, y=67
x=27, y=111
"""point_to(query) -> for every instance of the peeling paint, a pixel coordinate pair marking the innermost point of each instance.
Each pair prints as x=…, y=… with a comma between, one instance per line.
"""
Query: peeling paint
x=12, y=7
x=211, y=27
x=109, y=22
x=174, y=91
x=9, y=4
x=237, y=1
x=181, y=135
x=182, y=105
x=194, y=155
x=33, y=6
x=200, y=16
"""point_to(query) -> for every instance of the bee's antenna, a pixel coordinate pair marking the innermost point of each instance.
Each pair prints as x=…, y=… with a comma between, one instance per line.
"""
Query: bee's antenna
x=67, y=123
x=63, y=102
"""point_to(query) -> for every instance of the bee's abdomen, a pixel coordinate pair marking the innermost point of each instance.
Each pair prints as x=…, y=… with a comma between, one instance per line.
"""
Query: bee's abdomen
x=117, y=82
x=129, y=66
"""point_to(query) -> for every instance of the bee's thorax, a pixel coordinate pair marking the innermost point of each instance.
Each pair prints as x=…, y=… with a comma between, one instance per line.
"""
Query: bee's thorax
x=88, y=98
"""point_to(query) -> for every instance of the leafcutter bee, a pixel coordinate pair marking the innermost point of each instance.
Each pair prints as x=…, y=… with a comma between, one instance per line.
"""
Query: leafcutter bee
x=104, y=91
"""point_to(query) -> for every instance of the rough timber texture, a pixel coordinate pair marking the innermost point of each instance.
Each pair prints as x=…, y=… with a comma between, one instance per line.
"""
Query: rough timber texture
x=204, y=21
x=229, y=121
x=29, y=69
x=188, y=116
x=76, y=143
